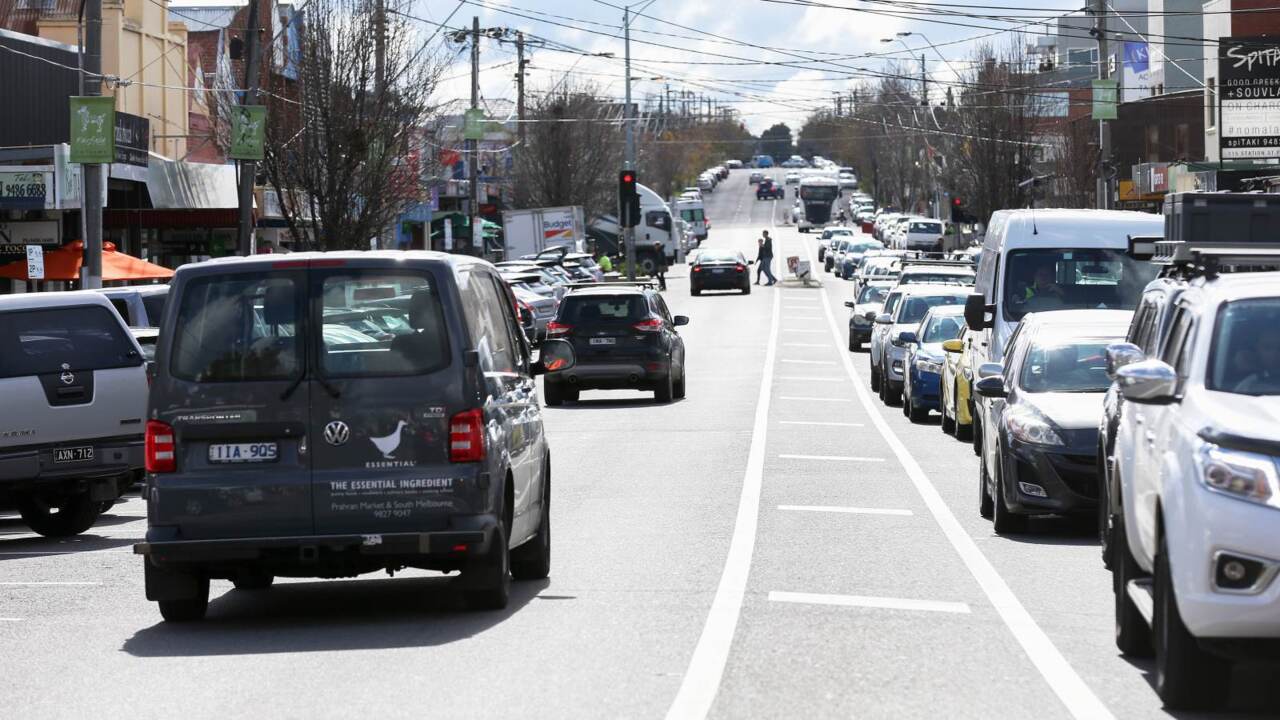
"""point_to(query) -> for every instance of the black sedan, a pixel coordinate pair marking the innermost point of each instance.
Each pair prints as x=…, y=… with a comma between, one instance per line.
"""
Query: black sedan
x=719, y=270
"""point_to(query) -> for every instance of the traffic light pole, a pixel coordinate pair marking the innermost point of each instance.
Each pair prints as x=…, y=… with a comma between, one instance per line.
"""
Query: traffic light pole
x=630, y=232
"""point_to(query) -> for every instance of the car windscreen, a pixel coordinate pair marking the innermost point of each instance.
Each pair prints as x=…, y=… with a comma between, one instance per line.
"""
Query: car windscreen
x=51, y=340
x=1063, y=279
x=1071, y=366
x=872, y=294
x=1246, y=348
x=914, y=307
x=720, y=256
x=603, y=309
x=154, y=305
x=862, y=247
x=240, y=327
x=819, y=193
x=931, y=228
x=942, y=328
x=405, y=334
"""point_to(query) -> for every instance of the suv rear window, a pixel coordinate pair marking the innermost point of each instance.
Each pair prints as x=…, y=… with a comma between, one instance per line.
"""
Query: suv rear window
x=595, y=309
x=68, y=338
x=237, y=327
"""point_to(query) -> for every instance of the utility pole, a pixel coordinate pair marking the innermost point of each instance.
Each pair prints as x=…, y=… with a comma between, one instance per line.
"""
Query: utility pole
x=473, y=146
x=91, y=198
x=1104, y=136
x=520, y=83
x=380, y=46
x=248, y=168
x=924, y=83
x=631, y=141
x=839, y=104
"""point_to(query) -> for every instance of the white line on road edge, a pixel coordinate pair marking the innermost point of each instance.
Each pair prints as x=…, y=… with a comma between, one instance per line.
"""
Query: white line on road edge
x=887, y=603
x=810, y=362
x=814, y=378
x=702, y=679
x=10, y=619
x=794, y=330
x=806, y=345
x=818, y=422
x=834, y=458
x=17, y=583
x=850, y=510
x=813, y=399
x=1054, y=668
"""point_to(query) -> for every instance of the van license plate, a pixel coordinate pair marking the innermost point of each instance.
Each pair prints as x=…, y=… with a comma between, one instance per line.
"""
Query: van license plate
x=75, y=454
x=604, y=341
x=242, y=452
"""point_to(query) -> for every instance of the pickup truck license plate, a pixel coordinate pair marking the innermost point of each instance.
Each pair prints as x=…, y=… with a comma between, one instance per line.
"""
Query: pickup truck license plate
x=604, y=341
x=75, y=454
x=242, y=452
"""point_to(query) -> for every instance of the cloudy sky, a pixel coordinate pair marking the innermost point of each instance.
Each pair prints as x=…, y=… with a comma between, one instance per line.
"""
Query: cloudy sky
x=772, y=60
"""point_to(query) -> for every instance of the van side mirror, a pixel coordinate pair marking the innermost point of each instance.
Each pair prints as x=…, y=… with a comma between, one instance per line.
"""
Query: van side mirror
x=870, y=315
x=975, y=312
x=1149, y=382
x=991, y=387
x=554, y=356
x=1121, y=354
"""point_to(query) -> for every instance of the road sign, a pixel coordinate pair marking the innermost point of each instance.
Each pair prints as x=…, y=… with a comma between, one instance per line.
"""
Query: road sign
x=1104, y=99
x=93, y=127
x=35, y=262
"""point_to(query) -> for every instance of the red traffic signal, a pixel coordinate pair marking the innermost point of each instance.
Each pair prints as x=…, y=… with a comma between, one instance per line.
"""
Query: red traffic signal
x=956, y=201
x=628, y=198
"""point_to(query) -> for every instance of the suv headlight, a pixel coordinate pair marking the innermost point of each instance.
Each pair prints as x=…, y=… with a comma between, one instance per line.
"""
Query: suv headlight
x=1242, y=475
x=929, y=364
x=1028, y=426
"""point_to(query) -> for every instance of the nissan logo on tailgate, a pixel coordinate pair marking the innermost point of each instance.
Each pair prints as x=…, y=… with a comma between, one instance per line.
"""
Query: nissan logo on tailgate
x=337, y=433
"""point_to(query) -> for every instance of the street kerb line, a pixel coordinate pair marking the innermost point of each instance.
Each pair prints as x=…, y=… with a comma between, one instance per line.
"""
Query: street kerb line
x=1079, y=700
x=701, y=680
x=887, y=603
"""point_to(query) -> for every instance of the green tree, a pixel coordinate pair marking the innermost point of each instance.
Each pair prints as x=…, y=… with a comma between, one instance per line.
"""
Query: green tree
x=776, y=141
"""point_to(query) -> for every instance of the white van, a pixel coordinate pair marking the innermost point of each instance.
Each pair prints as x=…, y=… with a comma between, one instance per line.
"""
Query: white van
x=921, y=233
x=694, y=213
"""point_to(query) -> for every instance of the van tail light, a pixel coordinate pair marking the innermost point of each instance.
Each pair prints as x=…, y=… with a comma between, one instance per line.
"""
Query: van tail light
x=161, y=448
x=653, y=324
x=466, y=436
x=558, y=329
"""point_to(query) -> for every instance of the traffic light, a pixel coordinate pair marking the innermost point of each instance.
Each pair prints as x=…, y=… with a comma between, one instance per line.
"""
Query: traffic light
x=628, y=199
x=957, y=210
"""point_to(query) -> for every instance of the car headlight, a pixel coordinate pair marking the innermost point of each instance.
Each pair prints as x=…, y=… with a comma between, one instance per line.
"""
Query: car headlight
x=1030, y=427
x=1242, y=475
x=929, y=364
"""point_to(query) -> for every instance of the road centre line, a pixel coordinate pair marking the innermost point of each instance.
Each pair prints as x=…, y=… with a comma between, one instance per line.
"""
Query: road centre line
x=1079, y=699
x=795, y=330
x=806, y=345
x=832, y=458
x=706, y=666
x=887, y=603
x=810, y=362
x=818, y=422
x=814, y=378
x=850, y=510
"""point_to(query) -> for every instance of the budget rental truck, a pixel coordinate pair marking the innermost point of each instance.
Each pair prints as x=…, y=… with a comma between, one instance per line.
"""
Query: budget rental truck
x=527, y=232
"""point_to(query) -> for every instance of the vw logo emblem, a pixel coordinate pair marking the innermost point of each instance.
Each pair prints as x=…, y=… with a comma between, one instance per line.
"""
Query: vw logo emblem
x=67, y=377
x=337, y=433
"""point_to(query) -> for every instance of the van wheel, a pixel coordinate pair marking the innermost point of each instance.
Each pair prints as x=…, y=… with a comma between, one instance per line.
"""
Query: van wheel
x=188, y=609
x=67, y=516
x=253, y=580
x=532, y=560
x=552, y=394
x=490, y=577
x=948, y=425
x=1187, y=677
x=1133, y=637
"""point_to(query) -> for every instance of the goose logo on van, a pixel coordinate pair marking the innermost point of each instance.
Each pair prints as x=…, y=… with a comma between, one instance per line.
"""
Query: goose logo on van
x=337, y=433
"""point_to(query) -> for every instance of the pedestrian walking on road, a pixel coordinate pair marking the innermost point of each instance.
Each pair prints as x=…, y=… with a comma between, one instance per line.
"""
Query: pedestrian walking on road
x=764, y=258
x=660, y=265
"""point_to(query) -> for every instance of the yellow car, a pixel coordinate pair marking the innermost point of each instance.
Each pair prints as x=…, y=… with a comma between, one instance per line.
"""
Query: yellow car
x=956, y=387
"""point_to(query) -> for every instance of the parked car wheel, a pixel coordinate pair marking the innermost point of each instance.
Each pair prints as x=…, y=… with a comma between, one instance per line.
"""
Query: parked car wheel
x=665, y=390
x=1003, y=521
x=490, y=577
x=1187, y=677
x=985, y=505
x=59, y=518
x=552, y=394
x=188, y=609
x=1133, y=636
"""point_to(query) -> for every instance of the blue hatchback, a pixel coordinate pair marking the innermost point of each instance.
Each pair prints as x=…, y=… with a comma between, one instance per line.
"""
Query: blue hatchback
x=920, y=391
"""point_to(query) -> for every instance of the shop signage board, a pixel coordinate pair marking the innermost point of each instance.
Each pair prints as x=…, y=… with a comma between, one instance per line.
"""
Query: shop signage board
x=22, y=189
x=19, y=234
x=248, y=132
x=132, y=139
x=93, y=129
x=1104, y=99
x=1249, y=98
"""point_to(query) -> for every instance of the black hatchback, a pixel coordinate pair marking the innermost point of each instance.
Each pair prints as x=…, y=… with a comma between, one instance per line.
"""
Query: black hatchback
x=624, y=337
x=719, y=270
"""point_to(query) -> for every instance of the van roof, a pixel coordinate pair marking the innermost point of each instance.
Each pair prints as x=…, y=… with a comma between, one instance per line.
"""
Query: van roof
x=1076, y=228
x=298, y=259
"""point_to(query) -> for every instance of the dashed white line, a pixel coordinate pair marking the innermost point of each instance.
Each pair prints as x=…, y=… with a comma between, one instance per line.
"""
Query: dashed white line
x=850, y=510
x=809, y=362
x=813, y=399
x=818, y=422
x=814, y=378
x=794, y=330
x=10, y=619
x=887, y=603
x=833, y=458
x=806, y=345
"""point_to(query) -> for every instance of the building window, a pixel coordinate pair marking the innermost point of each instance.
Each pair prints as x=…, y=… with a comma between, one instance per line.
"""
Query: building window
x=1211, y=104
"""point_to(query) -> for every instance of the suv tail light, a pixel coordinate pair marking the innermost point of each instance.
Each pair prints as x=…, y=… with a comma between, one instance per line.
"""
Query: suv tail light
x=161, y=449
x=653, y=324
x=697, y=268
x=739, y=267
x=466, y=436
x=558, y=329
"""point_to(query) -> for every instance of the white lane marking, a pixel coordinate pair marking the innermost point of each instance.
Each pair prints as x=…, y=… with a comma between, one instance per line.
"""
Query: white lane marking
x=795, y=330
x=67, y=552
x=818, y=422
x=806, y=345
x=815, y=378
x=814, y=399
x=706, y=667
x=810, y=362
x=851, y=510
x=803, y=317
x=887, y=603
x=799, y=307
x=10, y=619
x=17, y=583
x=833, y=458
x=1079, y=700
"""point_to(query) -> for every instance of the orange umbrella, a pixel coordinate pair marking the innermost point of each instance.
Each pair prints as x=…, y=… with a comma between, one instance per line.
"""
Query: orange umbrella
x=64, y=264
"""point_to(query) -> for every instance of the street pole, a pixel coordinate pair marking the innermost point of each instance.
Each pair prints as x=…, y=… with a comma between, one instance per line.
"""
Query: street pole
x=91, y=203
x=473, y=146
x=924, y=84
x=1104, y=137
x=520, y=84
x=630, y=162
x=380, y=47
x=83, y=180
x=248, y=168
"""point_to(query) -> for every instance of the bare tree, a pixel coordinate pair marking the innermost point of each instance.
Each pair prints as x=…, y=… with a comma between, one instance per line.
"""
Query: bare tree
x=1076, y=164
x=341, y=155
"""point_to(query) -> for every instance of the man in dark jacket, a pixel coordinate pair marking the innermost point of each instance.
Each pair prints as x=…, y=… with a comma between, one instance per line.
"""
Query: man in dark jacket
x=660, y=266
x=764, y=258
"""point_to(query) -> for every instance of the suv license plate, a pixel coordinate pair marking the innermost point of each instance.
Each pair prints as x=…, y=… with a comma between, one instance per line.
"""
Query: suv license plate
x=242, y=452
x=75, y=454
x=604, y=341
x=718, y=271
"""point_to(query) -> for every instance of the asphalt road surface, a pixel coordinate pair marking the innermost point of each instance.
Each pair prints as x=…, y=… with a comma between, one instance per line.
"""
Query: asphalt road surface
x=775, y=545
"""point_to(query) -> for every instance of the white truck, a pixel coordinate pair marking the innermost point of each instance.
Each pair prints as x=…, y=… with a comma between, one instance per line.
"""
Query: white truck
x=655, y=228
x=528, y=232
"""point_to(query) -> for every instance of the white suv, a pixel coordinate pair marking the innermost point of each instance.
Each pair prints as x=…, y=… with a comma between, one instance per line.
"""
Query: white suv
x=1198, y=543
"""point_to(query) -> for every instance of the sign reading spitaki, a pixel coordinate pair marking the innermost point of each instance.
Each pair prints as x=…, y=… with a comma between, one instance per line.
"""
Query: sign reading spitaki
x=1249, y=87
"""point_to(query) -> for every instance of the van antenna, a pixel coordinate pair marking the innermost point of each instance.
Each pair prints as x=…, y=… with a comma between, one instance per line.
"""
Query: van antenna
x=1034, y=229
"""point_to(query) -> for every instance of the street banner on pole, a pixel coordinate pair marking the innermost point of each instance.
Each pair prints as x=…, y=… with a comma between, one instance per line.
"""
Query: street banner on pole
x=1249, y=82
x=248, y=132
x=473, y=124
x=35, y=262
x=93, y=124
x=1104, y=99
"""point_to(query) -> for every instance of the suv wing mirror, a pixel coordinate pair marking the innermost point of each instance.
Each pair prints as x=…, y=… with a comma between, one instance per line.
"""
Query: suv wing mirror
x=1120, y=355
x=975, y=312
x=554, y=356
x=986, y=370
x=1149, y=382
x=680, y=320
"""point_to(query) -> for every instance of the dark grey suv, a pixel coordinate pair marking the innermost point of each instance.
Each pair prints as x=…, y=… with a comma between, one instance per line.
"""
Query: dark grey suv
x=290, y=435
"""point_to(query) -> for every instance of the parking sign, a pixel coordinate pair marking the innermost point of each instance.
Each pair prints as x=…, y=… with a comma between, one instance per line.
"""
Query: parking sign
x=35, y=262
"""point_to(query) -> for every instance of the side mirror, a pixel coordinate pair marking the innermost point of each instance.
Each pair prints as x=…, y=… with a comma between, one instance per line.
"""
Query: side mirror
x=849, y=303
x=906, y=337
x=991, y=387
x=953, y=346
x=1121, y=354
x=975, y=312
x=870, y=315
x=681, y=320
x=1149, y=382
x=751, y=262
x=554, y=356
x=884, y=319
x=990, y=370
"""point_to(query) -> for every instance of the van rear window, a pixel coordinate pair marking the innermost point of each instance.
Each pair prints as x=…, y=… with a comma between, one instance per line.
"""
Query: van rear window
x=378, y=324
x=238, y=327
x=68, y=338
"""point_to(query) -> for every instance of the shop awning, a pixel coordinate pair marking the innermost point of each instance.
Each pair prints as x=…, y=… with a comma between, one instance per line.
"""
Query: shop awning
x=64, y=264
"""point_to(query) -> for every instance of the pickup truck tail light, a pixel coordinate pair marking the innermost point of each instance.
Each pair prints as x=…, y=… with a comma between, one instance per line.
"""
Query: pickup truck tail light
x=161, y=448
x=466, y=436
